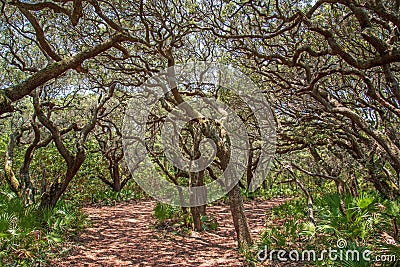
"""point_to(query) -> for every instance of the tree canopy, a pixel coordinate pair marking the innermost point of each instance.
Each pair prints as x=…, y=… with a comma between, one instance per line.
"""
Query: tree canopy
x=329, y=70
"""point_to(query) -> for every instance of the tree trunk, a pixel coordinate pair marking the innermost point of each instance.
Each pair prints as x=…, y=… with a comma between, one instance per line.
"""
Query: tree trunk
x=197, y=222
x=50, y=198
x=310, y=201
x=116, y=177
x=381, y=182
x=354, y=185
x=395, y=229
x=28, y=191
x=197, y=179
x=236, y=204
x=8, y=164
x=340, y=189
x=239, y=218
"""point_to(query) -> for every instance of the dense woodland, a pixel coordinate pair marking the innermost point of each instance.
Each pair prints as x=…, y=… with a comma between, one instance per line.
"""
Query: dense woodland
x=329, y=70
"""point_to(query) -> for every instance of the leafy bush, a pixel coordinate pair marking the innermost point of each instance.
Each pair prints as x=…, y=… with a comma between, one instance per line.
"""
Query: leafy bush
x=364, y=221
x=164, y=212
x=171, y=219
x=109, y=197
x=209, y=223
x=27, y=234
x=295, y=208
x=359, y=220
x=177, y=219
x=275, y=191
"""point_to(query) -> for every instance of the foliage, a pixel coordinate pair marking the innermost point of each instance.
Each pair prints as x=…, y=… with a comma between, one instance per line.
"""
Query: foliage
x=209, y=223
x=28, y=236
x=360, y=220
x=109, y=197
x=172, y=219
x=274, y=191
x=366, y=224
x=180, y=220
x=329, y=70
x=164, y=212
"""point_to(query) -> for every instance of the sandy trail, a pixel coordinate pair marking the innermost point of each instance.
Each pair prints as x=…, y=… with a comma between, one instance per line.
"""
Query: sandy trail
x=124, y=235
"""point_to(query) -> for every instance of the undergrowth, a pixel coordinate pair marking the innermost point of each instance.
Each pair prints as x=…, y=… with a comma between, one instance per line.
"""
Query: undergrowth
x=28, y=236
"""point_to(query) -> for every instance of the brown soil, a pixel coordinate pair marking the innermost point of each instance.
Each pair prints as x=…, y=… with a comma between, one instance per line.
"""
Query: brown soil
x=124, y=235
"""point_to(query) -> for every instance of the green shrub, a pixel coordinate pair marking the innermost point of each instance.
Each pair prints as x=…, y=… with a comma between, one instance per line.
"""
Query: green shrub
x=359, y=220
x=109, y=197
x=164, y=212
x=27, y=235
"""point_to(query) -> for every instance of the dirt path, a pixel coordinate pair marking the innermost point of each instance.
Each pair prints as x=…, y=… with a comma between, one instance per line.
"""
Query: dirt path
x=123, y=235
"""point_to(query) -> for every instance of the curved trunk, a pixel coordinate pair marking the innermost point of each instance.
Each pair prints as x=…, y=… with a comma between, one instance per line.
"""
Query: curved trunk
x=50, y=198
x=239, y=218
x=8, y=164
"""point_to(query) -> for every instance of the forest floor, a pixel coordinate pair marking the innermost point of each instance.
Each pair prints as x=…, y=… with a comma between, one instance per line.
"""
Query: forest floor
x=125, y=235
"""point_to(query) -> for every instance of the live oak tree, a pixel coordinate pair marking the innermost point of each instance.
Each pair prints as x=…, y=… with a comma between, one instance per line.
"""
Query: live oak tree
x=109, y=139
x=32, y=137
x=329, y=69
x=75, y=157
x=169, y=37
